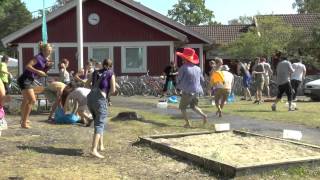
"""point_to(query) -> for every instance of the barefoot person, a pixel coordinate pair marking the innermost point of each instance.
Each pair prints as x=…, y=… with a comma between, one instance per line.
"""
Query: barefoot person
x=37, y=66
x=189, y=81
x=97, y=104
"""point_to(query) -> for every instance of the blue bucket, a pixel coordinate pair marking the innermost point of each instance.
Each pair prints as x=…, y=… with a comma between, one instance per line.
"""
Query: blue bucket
x=173, y=99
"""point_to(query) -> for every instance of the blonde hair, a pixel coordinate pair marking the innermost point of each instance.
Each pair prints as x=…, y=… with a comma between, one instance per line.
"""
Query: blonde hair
x=43, y=46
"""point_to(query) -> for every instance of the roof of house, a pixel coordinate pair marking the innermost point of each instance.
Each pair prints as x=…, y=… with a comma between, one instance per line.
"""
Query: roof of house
x=304, y=21
x=161, y=17
x=121, y=7
x=221, y=34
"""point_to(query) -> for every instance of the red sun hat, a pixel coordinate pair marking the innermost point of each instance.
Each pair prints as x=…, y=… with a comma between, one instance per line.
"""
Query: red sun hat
x=189, y=55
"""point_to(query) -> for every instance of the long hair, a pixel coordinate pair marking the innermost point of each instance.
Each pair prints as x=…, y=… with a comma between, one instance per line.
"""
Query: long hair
x=107, y=64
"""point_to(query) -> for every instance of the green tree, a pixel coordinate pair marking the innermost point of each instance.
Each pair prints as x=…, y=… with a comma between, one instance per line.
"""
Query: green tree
x=191, y=12
x=307, y=6
x=269, y=35
x=241, y=20
x=13, y=16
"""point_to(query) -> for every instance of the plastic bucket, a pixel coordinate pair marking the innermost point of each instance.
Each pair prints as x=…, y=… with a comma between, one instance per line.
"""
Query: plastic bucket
x=162, y=105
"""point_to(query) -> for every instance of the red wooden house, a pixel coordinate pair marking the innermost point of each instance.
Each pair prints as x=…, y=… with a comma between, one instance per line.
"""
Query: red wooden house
x=135, y=37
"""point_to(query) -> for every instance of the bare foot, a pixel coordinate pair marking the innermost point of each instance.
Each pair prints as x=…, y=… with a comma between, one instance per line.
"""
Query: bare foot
x=101, y=148
x=25, y=126
x=96, y=154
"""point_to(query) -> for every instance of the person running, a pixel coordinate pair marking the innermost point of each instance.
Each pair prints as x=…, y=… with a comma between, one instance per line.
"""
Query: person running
x=4, y=73
x=258, y=73
x=64, y=75
x=97, y=104
x=170, y=72
x=189, y=81
x=267, y=75
x=243, y=70
x=297, y=77
x=284, y=70
x=79, y=101
x=210, y=90
x=36, y=67
x=224, y=88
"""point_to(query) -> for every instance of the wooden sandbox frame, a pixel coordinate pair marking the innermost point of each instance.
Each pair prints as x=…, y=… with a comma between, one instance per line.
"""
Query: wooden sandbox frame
x=228, y=170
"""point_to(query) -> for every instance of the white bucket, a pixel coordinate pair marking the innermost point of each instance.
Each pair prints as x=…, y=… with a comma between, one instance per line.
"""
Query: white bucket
x=292, y=134
x=162, y=105
x=222, y=127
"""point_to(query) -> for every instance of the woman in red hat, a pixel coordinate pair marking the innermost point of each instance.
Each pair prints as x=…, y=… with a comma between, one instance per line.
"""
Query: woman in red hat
x=189, y=81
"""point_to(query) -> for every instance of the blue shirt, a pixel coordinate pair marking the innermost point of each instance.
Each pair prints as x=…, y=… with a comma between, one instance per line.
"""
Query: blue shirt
x=190, y=79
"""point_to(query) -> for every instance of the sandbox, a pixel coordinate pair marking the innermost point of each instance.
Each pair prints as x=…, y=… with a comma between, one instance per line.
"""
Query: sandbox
x=236, y=153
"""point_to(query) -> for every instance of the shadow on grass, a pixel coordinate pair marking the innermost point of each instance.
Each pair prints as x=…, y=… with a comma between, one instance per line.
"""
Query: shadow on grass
x=53, y=150
x=252, y=110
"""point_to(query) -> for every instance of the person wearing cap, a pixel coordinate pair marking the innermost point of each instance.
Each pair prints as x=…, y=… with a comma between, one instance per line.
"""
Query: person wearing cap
x=224, y=88
x=189, y=82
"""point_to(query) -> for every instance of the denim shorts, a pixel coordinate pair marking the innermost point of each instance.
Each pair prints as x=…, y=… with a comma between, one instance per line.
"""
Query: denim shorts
x=97, y=105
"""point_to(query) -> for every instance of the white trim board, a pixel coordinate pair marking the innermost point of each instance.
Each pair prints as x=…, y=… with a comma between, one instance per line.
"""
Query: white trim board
x=94, y=44
x=116, y=5
x=13, y=36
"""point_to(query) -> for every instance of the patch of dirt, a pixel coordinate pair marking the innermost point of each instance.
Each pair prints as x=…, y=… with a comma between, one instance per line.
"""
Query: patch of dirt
x=49, y=151
x=240, y=150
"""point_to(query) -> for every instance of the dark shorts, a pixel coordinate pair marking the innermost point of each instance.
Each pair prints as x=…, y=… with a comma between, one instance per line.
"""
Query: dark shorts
x=25, y=82
x=188, y=99
x=246, y=81
x=285, y=88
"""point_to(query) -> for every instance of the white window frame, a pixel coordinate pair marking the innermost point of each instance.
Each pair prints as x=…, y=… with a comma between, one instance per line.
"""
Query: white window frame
x=124, y=60
x=90, y=50
x=55, y=48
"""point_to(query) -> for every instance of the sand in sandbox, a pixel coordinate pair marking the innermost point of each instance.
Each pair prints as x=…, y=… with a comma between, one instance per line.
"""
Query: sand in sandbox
x=238, y=150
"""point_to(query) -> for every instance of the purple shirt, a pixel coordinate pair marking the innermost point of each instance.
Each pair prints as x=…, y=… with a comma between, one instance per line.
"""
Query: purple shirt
x=105, y=81
x=40, y=65
x=190, y=78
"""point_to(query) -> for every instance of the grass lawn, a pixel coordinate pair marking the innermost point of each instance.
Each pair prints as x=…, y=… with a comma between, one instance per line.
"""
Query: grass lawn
x=307, y=113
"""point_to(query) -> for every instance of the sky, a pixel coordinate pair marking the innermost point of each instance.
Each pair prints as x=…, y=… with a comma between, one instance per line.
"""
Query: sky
x=224, y=10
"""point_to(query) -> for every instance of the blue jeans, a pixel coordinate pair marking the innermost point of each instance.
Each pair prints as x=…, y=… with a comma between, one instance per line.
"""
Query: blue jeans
x=97, y=105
